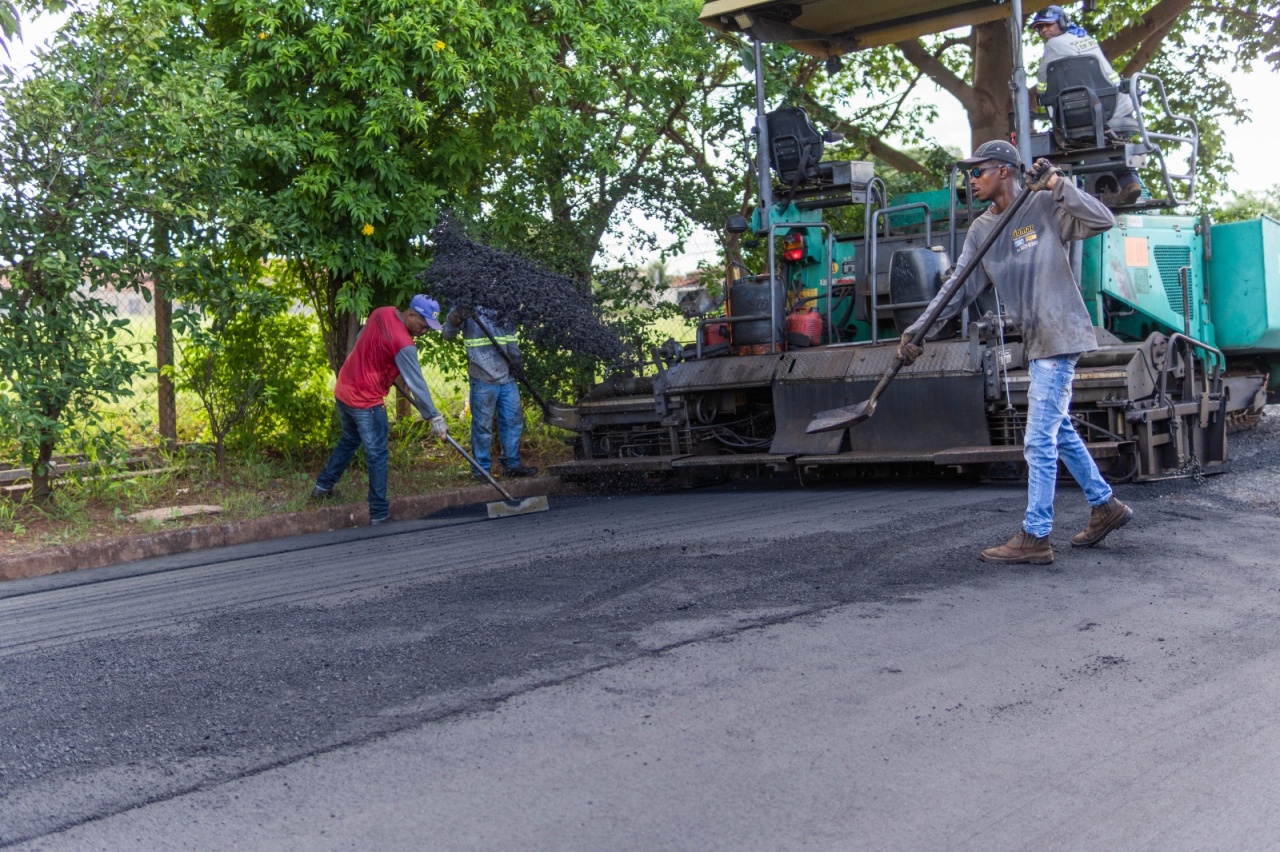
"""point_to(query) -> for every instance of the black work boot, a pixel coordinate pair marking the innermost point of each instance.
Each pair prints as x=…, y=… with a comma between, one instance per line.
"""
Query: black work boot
x=1111, y=515
x=1130, y=191
x=1023, y=547
x=519, y=470
x=319, y=493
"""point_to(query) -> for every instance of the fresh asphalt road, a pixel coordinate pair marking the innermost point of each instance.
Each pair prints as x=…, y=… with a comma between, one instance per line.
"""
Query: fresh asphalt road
x=739, y=669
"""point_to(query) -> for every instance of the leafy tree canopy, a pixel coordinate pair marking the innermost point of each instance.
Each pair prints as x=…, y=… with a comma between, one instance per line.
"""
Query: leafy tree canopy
x=117, y=130
x=1250, y=205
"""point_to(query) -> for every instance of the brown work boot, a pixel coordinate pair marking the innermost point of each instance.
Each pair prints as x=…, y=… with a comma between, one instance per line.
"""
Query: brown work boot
x=1111, y=515
x=1023, y=547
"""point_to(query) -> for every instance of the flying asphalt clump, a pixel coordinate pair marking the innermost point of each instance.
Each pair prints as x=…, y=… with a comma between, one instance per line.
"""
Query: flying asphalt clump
x=548, y=308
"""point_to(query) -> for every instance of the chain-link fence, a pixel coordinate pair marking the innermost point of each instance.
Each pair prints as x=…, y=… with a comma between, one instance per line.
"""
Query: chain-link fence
x=140, y=416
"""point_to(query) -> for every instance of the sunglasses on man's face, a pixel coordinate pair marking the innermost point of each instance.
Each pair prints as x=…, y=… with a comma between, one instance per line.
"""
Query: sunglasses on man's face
x=979, y=171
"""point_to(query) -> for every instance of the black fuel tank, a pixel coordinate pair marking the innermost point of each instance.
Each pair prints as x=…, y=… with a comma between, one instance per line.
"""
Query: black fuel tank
x=915, y=275
x=752, y=298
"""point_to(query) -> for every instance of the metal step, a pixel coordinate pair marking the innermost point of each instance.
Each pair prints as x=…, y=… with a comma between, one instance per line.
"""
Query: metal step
x=729, y=460
x=1013, y=453
x=637, y=464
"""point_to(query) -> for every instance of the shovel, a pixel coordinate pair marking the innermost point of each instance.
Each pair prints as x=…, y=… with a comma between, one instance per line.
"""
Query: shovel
x=508, y=506
x=851, y=415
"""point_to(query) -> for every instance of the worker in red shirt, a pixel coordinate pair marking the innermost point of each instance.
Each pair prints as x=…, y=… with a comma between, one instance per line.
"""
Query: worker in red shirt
x=384, y=352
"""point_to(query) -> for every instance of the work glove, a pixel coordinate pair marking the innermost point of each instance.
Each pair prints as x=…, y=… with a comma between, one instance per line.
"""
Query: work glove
x=438, y=427
x=1042, y=171
x=517, y=369
x=457, y=316
x=908, y=352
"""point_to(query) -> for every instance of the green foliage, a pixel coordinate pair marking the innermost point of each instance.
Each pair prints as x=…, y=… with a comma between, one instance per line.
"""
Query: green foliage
x=1250, y=205
x=62, y=245
x=631, y=125
x=364, y=115
x=550, y=121
x=112, y=168
x=59, y=358
x=285, y=350
x=262, y=382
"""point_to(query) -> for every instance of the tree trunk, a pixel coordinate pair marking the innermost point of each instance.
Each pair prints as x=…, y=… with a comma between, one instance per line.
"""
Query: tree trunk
x=41, y=474
x=338, y=327
x=166, y=398
x=989, y=117
x=220, y=455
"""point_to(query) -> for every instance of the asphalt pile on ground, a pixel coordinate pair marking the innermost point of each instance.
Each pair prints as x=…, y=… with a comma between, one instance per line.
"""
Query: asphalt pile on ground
x=549, y=308
x=1253, y=481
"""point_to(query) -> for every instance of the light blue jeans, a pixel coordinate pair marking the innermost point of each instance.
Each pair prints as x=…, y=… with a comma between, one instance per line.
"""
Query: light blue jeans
x=1050, y=436
x=505, y=399
x=367, y=427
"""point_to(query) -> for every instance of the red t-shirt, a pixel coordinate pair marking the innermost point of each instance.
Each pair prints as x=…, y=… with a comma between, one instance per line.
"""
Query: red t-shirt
x=370, y=370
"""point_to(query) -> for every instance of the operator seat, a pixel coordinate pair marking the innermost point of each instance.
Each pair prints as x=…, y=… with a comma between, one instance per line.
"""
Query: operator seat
x=795, y=146
x=1082, y=103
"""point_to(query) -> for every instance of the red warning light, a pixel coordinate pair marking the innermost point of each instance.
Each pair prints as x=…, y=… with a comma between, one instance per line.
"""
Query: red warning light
x=793, y=248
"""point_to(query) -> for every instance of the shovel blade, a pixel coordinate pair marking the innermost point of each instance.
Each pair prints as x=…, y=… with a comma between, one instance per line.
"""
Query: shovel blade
x=840, y=418
x=511, y=508
x=564, y=416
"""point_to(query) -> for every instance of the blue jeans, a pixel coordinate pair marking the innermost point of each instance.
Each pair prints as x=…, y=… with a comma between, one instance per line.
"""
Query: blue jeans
x=505, y=398
x=1050, y=436
x=367, y=426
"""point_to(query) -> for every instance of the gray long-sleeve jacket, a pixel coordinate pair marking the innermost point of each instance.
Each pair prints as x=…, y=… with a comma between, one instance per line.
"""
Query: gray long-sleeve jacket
x=485, y=363
x=1031, y=269
x=411, y=372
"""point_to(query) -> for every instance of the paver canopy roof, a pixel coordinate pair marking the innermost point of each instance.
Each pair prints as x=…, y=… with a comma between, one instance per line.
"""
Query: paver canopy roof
x=831, y=27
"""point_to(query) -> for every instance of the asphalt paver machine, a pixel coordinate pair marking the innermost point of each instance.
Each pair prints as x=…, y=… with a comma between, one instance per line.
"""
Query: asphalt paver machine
x=1186, y=312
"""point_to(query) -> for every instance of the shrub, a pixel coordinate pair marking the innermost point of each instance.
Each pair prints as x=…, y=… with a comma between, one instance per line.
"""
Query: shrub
x=272, y=366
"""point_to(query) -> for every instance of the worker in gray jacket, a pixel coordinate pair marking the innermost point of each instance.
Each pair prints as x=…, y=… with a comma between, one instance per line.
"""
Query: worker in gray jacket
x=1031, y=269
x=494, y=365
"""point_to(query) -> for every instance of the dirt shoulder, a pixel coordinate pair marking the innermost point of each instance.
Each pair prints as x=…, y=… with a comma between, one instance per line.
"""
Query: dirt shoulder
x=199, y=533
x=186, y=505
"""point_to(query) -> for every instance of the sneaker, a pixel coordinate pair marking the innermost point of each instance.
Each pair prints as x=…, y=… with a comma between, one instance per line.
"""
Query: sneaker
x=373, y=522
x=519, y=470
x=1111, y=515
x=319, y=493
x=1022, y=548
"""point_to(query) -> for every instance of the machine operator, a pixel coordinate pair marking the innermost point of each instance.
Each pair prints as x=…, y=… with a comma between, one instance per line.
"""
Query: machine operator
x=1063, y=39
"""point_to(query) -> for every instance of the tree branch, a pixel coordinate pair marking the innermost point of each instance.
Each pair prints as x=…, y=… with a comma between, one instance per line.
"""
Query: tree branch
x=1154, y=24
x=1146, y=51
x=874, y=144
x=897, y=108
x=937, y=72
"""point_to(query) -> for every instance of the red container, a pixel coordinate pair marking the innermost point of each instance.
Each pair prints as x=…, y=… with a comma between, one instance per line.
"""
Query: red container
x=806, y=324
x=714, y=333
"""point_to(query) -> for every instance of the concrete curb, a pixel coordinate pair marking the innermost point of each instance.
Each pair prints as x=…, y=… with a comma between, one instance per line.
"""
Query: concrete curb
x=97, y=554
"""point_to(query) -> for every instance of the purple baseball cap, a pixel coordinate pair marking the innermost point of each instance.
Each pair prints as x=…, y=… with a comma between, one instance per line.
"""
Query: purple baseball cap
x=427, y=308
